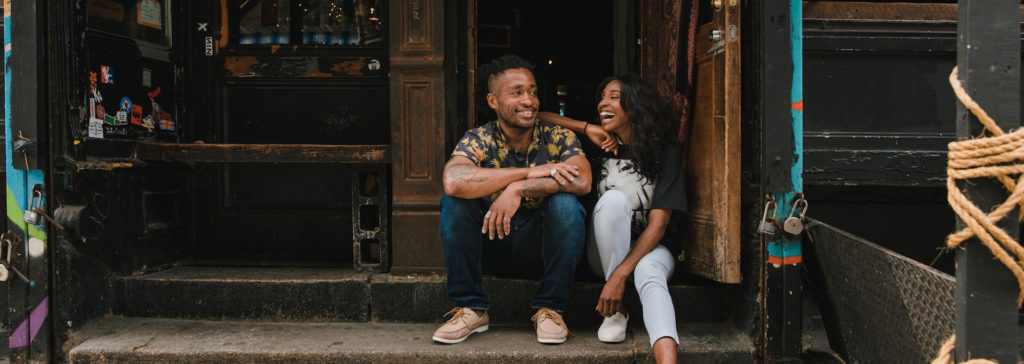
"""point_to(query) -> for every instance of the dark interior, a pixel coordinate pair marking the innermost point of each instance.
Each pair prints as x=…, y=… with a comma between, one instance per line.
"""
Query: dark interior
x=569, y=43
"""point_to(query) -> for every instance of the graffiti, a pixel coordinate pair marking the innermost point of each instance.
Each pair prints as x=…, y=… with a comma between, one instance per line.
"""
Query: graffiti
x=26, y=332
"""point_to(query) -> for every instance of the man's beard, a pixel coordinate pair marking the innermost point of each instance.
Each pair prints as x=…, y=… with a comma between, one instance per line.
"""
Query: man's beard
x=517, y=126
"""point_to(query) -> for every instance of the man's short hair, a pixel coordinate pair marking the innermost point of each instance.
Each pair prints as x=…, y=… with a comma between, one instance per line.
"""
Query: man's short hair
x=490, y=71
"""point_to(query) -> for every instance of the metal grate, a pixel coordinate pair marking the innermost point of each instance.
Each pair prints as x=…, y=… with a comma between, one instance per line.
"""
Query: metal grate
x=878, y=306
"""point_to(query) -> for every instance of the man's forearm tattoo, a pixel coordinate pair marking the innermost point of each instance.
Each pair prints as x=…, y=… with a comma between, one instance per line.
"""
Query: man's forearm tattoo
x=540, y=187
x=463, y=173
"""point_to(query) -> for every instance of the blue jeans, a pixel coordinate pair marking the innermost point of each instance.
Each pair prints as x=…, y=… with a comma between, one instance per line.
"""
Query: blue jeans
x=545, y=243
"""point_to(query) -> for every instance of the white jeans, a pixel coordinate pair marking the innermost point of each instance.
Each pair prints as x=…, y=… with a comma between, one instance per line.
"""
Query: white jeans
x=609, y=242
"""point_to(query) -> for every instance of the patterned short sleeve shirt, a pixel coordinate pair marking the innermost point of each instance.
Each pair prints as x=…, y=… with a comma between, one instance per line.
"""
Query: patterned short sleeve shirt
x=488, y=147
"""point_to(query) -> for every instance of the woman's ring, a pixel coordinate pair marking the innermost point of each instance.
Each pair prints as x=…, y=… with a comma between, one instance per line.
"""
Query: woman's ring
x=487, y=215
x=554, y=172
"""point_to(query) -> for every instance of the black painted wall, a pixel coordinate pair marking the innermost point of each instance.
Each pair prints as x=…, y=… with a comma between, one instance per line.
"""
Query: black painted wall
x=879, y=112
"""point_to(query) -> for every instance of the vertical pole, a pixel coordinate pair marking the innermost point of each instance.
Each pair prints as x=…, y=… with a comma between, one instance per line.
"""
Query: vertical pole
x=24, y=60
x=782, y=105
x=988, y=56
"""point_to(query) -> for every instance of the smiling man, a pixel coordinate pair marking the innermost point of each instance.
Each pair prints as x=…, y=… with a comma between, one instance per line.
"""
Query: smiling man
x=510, y=207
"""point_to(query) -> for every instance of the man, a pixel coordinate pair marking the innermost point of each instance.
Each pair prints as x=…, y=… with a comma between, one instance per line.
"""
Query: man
x=509, y=207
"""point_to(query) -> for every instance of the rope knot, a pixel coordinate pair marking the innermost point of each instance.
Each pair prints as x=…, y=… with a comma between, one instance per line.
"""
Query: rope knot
x=999, y=156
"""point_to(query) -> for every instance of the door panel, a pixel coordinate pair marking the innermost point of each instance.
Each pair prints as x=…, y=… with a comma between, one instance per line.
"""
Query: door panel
x=712, y=247
x=284, y=211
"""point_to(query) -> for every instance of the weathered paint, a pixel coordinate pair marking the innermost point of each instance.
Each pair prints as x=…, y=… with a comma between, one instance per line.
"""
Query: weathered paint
x=223, y=34
x=796, y=36
x=787, y=249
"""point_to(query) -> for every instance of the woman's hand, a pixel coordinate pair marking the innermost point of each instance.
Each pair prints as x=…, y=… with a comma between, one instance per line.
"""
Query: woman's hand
x=610, y=301
x=603, y=139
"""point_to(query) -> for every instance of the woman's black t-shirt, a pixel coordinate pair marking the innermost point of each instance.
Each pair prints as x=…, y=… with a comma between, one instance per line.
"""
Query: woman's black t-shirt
x=667, y=192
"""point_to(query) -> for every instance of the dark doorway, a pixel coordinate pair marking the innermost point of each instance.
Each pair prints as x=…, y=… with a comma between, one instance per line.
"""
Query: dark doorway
x=569, y=42
x=293, y=77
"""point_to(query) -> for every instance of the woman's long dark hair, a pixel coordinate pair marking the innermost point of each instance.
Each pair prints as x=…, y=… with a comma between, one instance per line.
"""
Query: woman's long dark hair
x=652, y=129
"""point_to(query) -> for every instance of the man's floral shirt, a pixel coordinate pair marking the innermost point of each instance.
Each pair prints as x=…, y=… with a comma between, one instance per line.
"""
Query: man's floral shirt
x=488, y=148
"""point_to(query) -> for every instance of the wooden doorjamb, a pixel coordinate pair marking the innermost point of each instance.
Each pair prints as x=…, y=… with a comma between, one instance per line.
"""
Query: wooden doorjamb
x=471, y=6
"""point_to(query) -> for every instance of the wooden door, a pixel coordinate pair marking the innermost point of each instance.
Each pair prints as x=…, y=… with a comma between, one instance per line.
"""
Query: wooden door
x=712, y=247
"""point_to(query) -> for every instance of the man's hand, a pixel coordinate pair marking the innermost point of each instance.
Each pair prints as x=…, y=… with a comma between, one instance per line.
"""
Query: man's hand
x=607, y=142
x=610, y=301
x=565, y=173
x=498, y=219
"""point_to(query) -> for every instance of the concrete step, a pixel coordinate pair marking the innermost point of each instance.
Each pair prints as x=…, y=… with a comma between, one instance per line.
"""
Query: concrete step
x=135, y=340
x=300, y=294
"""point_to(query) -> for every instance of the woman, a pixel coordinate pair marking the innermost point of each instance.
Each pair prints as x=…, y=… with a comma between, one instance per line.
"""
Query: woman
x=641, y=183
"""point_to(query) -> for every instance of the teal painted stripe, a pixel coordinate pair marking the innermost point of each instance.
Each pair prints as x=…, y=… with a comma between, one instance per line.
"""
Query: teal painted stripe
x=796, y=34
x=785, y=246
x=784, y=249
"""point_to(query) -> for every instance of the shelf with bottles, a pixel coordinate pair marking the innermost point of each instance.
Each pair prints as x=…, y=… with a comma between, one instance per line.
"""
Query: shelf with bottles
x=344, y=23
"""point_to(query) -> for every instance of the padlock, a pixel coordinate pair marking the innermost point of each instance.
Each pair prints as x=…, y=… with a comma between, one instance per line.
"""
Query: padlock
x=795, y=225
x=4, y=274
x=767, y=226
x=7, y=241
x=34, y=216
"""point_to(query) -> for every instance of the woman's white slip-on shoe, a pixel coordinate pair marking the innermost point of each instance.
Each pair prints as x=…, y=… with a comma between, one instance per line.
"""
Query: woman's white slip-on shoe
x=613, y=329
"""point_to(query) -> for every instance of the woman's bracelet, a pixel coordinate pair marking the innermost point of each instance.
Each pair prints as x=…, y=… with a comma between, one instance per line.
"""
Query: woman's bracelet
x=585, y=125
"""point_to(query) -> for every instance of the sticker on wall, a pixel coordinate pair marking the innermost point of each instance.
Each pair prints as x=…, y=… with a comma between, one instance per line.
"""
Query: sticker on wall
x=373, y=65
x=114, y=130
x=166, y=121
x=147, y=77
x=36, y=247
x=95, y=124
x=147, y=122
x=208, y=46
x=136, y=115
x=106, y=74
x=157, y=116
x=149, y=14
x=126, y=107
x=93, y=79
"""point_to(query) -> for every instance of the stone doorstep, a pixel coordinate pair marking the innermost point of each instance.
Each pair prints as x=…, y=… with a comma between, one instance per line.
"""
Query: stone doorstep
x=299, y=294
x=132, y=340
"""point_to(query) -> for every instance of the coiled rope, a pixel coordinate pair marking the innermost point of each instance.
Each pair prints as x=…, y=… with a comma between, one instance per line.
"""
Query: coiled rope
x=999, y=156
